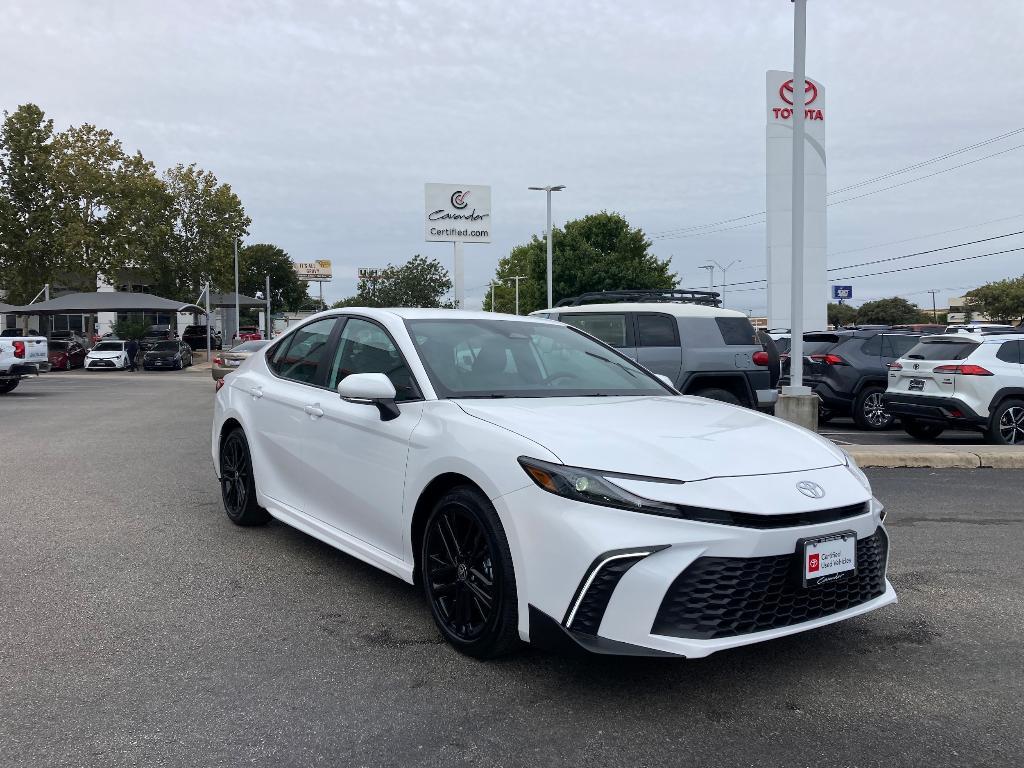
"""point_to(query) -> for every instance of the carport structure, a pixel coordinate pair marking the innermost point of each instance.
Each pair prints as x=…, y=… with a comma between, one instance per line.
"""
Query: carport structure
x=95, y=302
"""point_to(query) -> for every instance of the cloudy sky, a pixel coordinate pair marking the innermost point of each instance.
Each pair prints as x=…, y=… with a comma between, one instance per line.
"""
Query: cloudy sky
x=328, y=117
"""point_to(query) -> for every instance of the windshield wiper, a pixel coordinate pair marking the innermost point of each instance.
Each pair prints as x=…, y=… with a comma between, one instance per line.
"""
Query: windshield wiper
x=611, y=362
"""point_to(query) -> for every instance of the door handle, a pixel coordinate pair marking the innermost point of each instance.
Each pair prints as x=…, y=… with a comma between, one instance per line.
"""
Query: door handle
x=256, y=392
x=314, y=411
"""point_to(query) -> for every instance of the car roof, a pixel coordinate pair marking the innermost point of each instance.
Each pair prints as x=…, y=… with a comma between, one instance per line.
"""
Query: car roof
x=421, y=313
x=668, y=308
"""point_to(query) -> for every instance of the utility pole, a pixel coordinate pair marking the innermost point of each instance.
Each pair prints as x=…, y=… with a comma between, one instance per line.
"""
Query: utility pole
x=935, y=312
x=492, y=297
x=725, y=269
x=517, y=278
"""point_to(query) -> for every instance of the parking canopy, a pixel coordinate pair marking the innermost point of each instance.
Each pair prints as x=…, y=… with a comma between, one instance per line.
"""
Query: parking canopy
x=223, y=300
x=104, y=301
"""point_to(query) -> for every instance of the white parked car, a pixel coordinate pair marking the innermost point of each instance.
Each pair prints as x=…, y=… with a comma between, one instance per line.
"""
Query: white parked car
x=964, y=381
x=107, y=355
x=540, y=486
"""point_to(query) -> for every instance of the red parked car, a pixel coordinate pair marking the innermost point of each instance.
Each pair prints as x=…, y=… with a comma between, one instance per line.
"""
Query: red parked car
x=249, y=333
x=65, y=355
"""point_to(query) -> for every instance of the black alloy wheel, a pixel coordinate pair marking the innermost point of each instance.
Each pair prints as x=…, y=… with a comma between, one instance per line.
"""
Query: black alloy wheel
x=237, y=486
x=466, y=570
x=869, y=411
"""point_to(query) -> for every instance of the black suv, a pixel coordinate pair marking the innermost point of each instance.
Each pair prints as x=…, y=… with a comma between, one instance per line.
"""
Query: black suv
x=195, y=337
x=849, y=371
x=154, y=334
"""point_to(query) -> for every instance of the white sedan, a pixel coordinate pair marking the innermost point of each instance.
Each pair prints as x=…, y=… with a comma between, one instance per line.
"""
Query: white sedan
x=539, y=486
x=107, y=355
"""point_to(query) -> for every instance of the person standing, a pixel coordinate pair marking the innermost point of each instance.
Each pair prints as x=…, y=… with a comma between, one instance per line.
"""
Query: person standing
x=132, y=350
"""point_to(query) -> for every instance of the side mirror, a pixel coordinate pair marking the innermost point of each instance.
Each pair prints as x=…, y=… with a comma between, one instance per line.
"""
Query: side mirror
x=371, y=389
x=665, y=380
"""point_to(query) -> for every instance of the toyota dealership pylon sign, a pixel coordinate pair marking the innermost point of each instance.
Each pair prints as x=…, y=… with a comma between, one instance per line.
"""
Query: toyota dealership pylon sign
x=779, y=200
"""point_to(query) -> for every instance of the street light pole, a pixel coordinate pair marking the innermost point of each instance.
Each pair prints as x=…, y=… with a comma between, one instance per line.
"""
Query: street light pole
x=724, y=270
x=549, y=190
x=796, y=310
x=238, y=321
x=517, y=278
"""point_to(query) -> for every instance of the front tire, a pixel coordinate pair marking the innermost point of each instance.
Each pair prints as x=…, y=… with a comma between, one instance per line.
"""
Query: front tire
x=467, y=575
x=922, y=430
x=237, y=484
x=869, y=411
x=1006, y=425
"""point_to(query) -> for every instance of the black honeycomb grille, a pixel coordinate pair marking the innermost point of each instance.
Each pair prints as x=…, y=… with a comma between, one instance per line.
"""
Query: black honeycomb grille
x=595, y=601
x=728, y=596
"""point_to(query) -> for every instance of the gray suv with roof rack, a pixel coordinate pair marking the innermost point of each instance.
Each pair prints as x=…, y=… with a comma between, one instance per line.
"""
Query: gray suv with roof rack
x=702, y=349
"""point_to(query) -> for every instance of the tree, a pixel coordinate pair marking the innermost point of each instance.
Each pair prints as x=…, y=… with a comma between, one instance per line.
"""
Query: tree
x=1002, y=300
x=257, y=261
x=894, y=311
x=206, y=219
x=420, y=282
x=841, y=314
x=532, y=293
x=28, y=258
x=599, y=252
x=130, y=329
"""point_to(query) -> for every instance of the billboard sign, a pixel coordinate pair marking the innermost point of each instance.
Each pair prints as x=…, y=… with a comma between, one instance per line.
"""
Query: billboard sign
x=370, y=273
x=457, y=213
x=313, y=271
x=842, y=292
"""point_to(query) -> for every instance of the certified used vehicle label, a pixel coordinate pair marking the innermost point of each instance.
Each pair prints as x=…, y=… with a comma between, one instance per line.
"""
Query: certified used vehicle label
x=829, y=558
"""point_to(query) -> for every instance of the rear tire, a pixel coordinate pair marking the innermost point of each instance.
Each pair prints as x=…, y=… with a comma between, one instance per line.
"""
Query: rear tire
x=721, y=395
x=467, y=575
x=237, y=484
x=869, y=412
x=1006, y=424
x=8, y=386
x=922, y=430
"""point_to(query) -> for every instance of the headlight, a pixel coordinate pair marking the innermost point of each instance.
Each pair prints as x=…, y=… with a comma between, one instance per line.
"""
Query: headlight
x=592, y=487
x=857, y=472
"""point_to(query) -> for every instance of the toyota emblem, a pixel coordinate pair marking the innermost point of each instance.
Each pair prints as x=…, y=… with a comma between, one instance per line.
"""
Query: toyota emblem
x=810, y=489
x=786, y=92
x=916, y=366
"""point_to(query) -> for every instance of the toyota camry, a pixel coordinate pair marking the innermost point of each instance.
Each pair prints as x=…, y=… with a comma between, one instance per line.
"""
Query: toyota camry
x=539, y=486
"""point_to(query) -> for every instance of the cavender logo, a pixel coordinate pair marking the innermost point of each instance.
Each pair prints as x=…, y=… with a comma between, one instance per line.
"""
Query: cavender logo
x=459, y=199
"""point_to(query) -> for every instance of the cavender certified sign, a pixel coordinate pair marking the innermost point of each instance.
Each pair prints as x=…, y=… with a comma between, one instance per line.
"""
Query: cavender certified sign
x=314, y=271
x=457, y=213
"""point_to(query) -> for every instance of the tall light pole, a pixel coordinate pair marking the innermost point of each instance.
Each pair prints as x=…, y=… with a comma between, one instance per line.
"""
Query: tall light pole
x=238, y=327
x=725, y=269
x=549, y=190
x=492, y=296
x=517, y=278
x=796, y=307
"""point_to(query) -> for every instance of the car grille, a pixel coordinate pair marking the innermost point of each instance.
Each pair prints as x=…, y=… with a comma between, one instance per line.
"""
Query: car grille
x=728, y=596
x=102, y=364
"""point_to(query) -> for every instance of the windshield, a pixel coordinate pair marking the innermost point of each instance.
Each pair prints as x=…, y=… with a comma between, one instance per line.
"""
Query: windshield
x=508, y=358
x=109, y=346
x=942, y=349
x=165, y=346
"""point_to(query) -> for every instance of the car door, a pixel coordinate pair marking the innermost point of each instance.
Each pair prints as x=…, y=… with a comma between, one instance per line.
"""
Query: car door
x=613, y=328
x=657, y=344
x=282, y=414
x=358, y=458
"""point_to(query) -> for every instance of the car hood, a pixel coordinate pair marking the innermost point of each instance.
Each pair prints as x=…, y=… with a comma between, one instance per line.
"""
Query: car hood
x=104, y=354
x=682, y=438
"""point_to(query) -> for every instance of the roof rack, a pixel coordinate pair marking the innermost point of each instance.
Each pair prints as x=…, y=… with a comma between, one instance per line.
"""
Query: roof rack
x=1011, y=331
x=644, y=296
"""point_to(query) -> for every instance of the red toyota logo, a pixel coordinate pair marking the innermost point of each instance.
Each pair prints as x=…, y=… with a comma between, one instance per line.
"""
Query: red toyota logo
x=813, y=563
x=786, y=92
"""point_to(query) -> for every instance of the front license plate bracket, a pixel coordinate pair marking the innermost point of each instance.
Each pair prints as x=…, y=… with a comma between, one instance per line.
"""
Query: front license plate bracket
x=826, y=559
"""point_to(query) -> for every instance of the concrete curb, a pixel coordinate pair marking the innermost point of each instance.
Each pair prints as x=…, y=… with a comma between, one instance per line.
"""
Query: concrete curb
x=938, y=456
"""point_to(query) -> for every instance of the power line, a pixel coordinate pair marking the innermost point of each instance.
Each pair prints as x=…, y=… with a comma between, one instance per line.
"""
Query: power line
x=923, y=266
x=922, y=237
x=684, y=231
x=923, y=163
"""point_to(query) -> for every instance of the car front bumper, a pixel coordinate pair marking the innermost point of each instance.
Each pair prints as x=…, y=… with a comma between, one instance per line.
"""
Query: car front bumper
x=607, y=580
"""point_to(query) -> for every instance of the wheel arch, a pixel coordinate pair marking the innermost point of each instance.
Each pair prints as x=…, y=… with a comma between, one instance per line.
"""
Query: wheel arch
x=1006, y=393
x=736, y=383
x=434, y=490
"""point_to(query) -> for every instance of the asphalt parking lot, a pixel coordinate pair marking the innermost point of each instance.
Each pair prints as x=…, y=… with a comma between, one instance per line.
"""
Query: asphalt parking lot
x=141, y=628
x=844, y=432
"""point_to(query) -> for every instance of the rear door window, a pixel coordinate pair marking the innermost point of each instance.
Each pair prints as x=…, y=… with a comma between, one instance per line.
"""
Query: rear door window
x=1010, y=352
x=737, y=331
x=656, y=331
x=942, y=349
x=611, y=328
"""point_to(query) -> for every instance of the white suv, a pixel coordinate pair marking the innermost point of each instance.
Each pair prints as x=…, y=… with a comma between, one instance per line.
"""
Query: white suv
x=961, y=381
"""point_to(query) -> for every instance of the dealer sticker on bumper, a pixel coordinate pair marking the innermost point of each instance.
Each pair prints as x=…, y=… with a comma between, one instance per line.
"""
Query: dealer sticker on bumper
x=828, y=558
